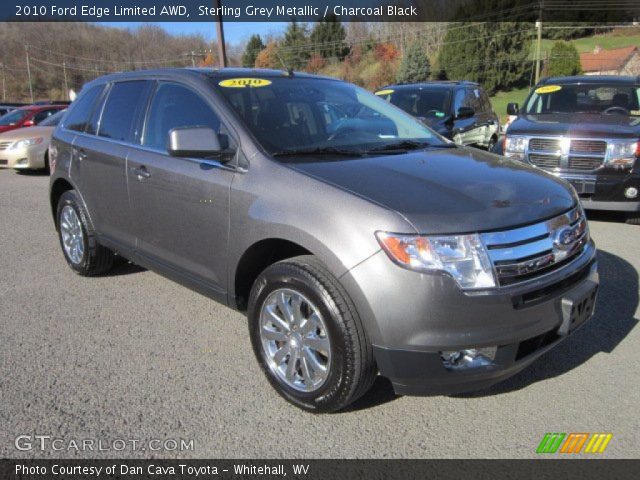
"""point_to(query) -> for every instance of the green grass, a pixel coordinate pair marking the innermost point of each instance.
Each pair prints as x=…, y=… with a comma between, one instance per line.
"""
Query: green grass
x=499, y=101
x=607, y=41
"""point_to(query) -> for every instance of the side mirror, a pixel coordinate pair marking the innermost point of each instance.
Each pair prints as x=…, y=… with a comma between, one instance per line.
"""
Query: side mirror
x=29, y=123
x=465, y=112
x=513, y=109
x=196, y=142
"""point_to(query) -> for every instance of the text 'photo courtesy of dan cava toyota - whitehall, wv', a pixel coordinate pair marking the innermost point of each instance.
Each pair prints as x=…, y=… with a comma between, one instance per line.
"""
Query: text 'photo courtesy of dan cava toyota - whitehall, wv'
x=273, y=238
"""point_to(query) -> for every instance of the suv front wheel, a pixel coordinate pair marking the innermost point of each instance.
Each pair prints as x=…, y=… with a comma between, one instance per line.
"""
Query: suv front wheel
x=307, y=336
x=78, y=240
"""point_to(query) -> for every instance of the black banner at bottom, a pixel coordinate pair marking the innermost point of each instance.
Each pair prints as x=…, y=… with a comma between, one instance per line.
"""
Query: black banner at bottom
x=68, y=469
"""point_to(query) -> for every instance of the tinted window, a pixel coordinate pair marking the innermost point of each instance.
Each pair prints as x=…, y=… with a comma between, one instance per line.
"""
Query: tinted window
x=81, y=109
x=586, y=98
x=121, y=110
x=176, y=106
x=43, y=115
x=474, y=101
x=54, y=119
x=422, y=102
x=13, y=117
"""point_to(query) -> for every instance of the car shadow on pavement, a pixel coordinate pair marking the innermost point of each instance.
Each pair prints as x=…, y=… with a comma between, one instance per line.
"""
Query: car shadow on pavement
x=33, y=173
x=612, y=322
x=380, y=393
x=123, y=267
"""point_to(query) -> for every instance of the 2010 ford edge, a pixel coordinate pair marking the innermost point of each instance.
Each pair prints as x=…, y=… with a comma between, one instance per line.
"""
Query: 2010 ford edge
x=357, y=240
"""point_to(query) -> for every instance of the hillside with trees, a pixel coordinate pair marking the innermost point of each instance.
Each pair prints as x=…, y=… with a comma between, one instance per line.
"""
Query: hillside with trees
x=84, y=51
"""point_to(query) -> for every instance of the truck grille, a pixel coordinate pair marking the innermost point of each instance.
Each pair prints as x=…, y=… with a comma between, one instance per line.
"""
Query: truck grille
x=544, y=161
x=584, y=163
x=596, y=147
x=528, y=252
x=5, y=145
x=561, y=154
x=545, y=144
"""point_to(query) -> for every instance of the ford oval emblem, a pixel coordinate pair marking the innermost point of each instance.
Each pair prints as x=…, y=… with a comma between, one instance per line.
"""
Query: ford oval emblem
x=565, y=237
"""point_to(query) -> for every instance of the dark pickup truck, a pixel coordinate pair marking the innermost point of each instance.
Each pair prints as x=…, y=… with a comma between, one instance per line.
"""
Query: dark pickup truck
x=586, y=130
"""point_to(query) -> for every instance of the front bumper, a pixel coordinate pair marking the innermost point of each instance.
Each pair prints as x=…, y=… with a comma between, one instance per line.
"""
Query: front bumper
x=605, y=191
x=412, y=317
x=23, y=158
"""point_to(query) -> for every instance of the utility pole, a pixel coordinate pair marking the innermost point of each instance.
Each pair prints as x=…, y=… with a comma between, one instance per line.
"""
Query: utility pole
x=4, y=85
x=26, y=47
x=538, y=43
x=66, y=85
x=222, y=51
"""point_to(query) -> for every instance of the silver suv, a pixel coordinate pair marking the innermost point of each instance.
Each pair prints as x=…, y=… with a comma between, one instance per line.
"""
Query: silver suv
x=358, y=241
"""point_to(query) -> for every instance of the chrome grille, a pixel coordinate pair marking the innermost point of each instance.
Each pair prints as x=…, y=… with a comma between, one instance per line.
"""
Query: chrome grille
x=544, y=144
x=544, y=161
x=5, y=145
x=596, y=147
x=527, y=252
x=565, y=154
x=584, y=163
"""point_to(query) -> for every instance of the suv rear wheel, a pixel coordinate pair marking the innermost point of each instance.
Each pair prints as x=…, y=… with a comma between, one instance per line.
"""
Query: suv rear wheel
x=307, y=336
x=78, y=240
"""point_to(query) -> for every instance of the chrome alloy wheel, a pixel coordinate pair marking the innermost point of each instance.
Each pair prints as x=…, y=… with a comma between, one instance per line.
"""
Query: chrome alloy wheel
x=71, y=234
x=295, y=340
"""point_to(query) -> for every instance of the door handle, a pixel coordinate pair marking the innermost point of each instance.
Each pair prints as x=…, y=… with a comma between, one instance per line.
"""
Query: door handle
x=141, y=172
x=80, y=153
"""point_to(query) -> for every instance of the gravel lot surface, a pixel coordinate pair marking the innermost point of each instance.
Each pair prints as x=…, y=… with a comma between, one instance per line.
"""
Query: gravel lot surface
x=134, y=356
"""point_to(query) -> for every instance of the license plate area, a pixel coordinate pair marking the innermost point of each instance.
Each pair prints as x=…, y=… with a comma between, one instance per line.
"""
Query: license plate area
x=583, y=187
x=577, y=307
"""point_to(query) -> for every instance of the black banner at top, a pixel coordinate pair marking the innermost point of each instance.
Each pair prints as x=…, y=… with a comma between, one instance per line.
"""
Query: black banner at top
x=600, y=11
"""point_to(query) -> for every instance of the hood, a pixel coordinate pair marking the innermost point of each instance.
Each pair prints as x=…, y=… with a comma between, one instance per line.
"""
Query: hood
x=449, y=190
x=27, y=132
x=577, y=124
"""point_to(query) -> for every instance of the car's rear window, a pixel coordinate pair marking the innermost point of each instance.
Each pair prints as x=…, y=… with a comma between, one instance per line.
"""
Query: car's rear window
x=13, y=117
x=420, y=101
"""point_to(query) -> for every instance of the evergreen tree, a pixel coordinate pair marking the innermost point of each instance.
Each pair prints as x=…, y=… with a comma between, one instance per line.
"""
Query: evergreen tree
x=495, y=54
x=563, y=60
x=294, y=49
x=254, y=46
x=329, y=36
x=415, y=66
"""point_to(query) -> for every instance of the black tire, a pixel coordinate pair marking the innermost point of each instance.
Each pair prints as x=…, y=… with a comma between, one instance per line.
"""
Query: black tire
x=352, y=368
x=633, y=218
x=96, y=259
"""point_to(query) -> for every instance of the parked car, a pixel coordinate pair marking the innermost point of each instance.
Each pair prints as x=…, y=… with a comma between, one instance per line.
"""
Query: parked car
x=586, y=130
x=28, y=116
x=355, y=238
x=27, y=148
x=460, y=111
x=4, y=109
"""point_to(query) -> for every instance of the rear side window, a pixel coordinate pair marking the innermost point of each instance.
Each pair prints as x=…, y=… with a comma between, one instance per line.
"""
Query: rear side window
x=176, y=106
x=43, y=115
x=81, y=110
x=121, y=110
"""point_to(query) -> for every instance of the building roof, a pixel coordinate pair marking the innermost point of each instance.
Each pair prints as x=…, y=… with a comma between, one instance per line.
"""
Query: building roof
x=603, y=60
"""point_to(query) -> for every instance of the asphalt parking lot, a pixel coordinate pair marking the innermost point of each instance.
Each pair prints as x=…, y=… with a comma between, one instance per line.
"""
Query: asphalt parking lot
x=134, y=356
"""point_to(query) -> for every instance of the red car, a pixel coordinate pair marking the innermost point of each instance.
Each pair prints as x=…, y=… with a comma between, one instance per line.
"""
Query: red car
x=27, y=116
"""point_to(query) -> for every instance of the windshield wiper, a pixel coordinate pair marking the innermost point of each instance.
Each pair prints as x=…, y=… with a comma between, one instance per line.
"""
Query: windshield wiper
x=319, y=151
x=409, y=145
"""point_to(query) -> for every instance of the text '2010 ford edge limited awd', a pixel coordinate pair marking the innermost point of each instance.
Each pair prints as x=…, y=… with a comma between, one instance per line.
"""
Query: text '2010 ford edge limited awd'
x=357, y=240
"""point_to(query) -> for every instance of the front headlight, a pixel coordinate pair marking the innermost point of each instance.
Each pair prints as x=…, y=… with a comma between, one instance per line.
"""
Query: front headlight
x=27, y=142
x=622, y=154
x=461, y=256
x=514, y=147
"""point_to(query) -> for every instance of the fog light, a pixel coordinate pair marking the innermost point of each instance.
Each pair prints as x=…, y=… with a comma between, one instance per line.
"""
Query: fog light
x=631, y=192
x=22, y=161
x=468, y=358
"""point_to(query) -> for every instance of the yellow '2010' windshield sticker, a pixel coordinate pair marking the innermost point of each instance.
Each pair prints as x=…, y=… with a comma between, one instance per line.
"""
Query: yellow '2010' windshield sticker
x=384, y=92
x=548, y=89
x=244, y=82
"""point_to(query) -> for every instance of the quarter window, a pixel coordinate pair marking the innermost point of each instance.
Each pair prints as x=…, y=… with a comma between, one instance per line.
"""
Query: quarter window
x=176, y=106
x=121, y=110
x=80, y=112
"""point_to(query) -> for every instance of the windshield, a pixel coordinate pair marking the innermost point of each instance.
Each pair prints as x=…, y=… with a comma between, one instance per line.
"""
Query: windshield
x=13, y=117
x=591, y=98
x=53, y=120
x=295, y=114
x=419, y=102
